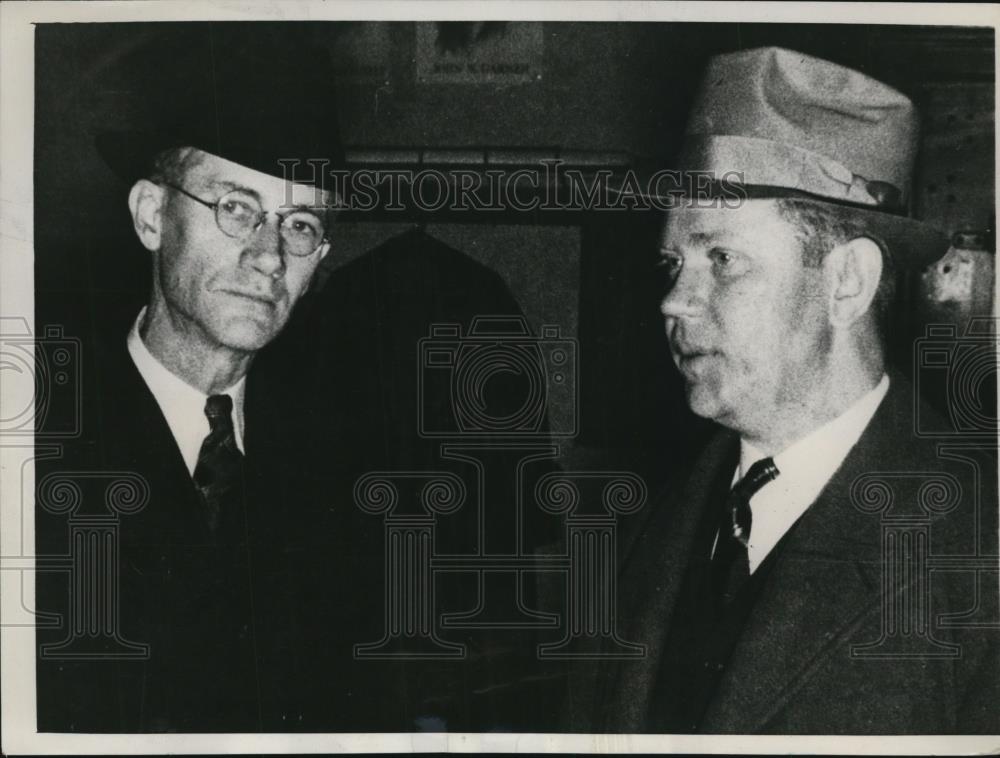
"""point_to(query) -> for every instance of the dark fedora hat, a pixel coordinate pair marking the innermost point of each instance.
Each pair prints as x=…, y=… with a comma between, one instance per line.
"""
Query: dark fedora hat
x=258, y=94
x=791, y=125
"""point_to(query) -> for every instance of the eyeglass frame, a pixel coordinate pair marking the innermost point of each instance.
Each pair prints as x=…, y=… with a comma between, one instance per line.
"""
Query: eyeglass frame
x=261, y=221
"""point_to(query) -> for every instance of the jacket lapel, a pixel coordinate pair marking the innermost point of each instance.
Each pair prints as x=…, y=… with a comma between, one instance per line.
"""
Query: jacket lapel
x=824, y=581
x=136, y=437
x=814, y=598
x=650, y=580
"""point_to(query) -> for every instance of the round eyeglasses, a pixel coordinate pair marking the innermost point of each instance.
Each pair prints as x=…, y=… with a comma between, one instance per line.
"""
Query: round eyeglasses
x=239, y=215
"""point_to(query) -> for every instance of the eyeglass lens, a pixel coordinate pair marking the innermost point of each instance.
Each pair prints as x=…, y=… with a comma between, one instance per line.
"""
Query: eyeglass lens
x=239, y=216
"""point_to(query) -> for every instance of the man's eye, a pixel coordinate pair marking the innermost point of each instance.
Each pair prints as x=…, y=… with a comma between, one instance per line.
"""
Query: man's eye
x=728, y=262
x=670, y=264
x=304, y=224
x=237, y=208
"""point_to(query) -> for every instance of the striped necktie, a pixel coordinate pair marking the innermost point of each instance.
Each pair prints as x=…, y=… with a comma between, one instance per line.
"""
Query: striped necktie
x=731, y=562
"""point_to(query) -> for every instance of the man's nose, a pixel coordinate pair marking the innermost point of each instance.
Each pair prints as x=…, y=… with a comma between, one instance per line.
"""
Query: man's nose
x=263, y=251
x=686, y=296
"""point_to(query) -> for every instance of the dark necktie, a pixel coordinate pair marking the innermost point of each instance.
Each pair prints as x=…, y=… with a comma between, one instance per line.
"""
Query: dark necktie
x=218, y=475
x=731, y=562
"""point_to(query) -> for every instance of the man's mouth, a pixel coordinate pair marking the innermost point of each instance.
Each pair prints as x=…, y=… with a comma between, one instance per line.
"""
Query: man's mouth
x=692, y=362
x=254, y=297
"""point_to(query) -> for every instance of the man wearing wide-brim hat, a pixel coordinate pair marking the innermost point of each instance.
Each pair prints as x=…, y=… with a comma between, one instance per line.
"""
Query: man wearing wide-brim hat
x=235, y=224
x=770, y=592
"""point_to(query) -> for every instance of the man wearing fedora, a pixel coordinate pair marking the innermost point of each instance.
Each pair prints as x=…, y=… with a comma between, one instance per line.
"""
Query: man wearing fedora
x=763, y=590
x=250, y=575
x=234, y=240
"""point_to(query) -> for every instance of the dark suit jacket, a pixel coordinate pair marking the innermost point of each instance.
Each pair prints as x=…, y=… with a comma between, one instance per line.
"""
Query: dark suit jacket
x=335, y=397
x=792, y=670
x=207, y=613
x=257, y=637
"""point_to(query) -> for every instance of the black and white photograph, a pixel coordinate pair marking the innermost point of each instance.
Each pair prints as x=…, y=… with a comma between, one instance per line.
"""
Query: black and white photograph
x=460, y=377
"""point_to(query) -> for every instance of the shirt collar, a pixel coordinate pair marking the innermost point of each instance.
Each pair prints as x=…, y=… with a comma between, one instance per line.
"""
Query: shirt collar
x=182, y=405
x=804, y=469
x=826, y=447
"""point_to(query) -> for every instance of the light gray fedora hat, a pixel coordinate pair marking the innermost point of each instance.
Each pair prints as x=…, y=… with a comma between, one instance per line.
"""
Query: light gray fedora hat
x=791, y=125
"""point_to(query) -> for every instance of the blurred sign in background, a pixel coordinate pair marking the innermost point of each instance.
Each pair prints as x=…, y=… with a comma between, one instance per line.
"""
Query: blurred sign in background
x=473, y=52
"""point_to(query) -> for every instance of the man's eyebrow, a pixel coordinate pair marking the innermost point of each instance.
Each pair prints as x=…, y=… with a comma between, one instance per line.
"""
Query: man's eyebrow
x=231, y=186
x=316, y=210
x=701, y=239
x=704, y=238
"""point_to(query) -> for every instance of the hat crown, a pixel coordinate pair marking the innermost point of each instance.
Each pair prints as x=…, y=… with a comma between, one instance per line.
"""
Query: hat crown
x=782, y=123
x=847, y=122
x=257, y=94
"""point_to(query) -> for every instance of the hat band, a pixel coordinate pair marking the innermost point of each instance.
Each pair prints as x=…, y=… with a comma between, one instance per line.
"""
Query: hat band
x=766, y=163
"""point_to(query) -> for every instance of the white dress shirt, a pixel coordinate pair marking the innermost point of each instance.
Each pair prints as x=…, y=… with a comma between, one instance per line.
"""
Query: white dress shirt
x=182, y=405
x=804, y=468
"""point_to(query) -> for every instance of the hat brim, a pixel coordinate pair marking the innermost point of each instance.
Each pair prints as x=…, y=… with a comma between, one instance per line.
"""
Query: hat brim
x=129, y=154
x=911, y=243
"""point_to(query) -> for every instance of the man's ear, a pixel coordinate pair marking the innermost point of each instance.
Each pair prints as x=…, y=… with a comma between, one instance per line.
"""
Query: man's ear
x=146, y=201
x=854, y=270
x=323, y=250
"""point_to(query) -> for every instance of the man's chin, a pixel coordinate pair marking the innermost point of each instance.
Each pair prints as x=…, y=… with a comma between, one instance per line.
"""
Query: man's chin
x=246, y=336
x=704, y=401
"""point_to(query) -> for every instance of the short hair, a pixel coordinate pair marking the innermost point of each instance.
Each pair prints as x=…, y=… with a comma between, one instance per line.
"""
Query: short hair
x=821, y=226
x=172, y=165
